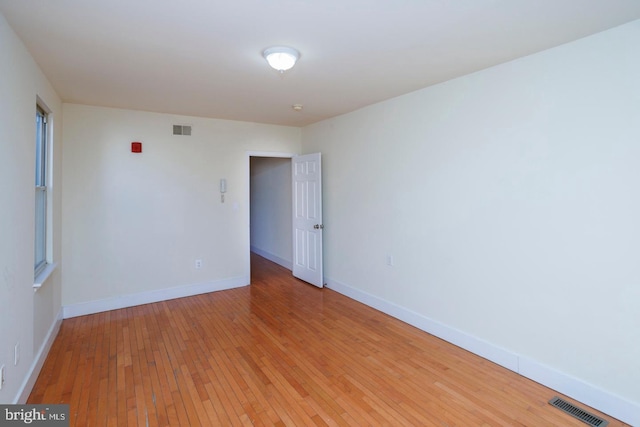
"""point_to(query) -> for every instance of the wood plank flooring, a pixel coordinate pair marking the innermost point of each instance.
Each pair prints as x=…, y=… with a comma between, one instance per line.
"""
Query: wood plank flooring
x=277, y=353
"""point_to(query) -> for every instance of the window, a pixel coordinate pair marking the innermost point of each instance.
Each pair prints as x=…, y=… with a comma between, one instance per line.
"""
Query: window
x=41, y=191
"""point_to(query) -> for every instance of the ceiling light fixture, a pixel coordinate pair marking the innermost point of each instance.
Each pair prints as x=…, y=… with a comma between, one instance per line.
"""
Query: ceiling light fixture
x=281, y=58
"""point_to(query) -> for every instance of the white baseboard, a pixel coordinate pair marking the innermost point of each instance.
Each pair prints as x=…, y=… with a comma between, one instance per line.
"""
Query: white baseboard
x=34, y=370
x=588, y=394
x=132, y=300
x=273, y=258
x=609, y=403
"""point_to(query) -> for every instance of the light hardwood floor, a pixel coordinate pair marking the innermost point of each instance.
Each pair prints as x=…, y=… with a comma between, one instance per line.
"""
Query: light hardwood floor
x=279, y=352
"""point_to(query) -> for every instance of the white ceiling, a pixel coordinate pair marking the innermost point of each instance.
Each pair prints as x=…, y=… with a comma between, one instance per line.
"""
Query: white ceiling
x=203, y=57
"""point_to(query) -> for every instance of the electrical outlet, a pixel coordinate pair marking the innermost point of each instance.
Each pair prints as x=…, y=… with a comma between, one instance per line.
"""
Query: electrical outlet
x=16, y=354
x=1, y=376
x=198, y=264
x=390, y=260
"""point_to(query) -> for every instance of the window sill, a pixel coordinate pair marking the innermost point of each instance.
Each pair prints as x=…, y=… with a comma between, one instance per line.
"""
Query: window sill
x=44, y=275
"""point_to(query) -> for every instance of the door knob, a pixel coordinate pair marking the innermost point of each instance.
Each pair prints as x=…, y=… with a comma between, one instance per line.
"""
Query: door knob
x=318, y=226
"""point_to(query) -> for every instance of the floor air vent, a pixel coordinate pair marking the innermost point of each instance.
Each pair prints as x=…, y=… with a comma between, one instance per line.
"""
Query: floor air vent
x=578, y=413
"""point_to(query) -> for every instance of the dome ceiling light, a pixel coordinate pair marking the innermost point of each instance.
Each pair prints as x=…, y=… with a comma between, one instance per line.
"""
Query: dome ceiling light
x=281, y=58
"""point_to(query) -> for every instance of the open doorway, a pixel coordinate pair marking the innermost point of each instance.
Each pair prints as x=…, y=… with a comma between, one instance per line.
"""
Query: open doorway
x=270, y=208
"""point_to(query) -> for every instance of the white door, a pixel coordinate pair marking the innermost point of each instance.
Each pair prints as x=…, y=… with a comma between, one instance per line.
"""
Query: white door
x=307, y=218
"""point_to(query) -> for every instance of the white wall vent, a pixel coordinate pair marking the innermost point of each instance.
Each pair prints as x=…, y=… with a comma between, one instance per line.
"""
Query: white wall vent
x=182, y=130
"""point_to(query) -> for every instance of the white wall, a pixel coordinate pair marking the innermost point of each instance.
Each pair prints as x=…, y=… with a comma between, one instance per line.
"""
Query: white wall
x=26, y=317
x=135, y=223
x=271, y=209
x=510, y=202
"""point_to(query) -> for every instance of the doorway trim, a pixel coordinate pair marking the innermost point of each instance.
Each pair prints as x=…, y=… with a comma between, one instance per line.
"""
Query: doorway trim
x=249, y=155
